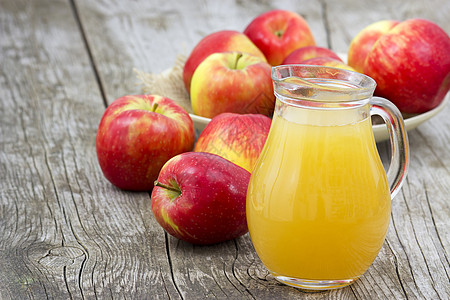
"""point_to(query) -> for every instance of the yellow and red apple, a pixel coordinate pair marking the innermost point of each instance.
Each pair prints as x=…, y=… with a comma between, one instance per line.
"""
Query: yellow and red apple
x=363, y=42
x=221, y=41
x=411, y=65
x=299, y=55
x=232, y=82
x=137, y=135
x=200, y=198
x=279, y=32
x=236, y=137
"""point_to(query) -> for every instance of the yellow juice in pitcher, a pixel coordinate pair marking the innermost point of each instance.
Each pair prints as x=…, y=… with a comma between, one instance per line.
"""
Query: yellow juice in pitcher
x=318, y=202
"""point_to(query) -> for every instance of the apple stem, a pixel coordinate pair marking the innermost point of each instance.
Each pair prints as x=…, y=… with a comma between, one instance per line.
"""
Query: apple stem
x=170, y=188
x=155, y=106
x=279, y=33
x=238, y=56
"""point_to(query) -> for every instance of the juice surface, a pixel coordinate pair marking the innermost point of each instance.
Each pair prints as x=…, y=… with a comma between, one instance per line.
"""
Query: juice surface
x=318, y=202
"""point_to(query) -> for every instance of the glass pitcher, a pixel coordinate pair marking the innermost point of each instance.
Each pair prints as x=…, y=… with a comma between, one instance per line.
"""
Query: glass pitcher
x=319, y=200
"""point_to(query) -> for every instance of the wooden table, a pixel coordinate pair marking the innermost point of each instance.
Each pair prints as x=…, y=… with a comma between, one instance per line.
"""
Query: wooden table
x=65, y=232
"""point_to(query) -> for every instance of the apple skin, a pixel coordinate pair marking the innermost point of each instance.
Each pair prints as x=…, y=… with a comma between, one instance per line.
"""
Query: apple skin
x=363, y=42
x=279, y=32
x=328, y=62
x=236, y=137
x=298, y=56
x=206, y=200
x=137, y=135
x=232, y=82
x=221, y=41
x=411, y=65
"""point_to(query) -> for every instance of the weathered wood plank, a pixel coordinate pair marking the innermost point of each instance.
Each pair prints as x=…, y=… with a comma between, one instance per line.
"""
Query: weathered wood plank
x=182, y=28
x=64, y=231
x=67, y=233
x=334, y=23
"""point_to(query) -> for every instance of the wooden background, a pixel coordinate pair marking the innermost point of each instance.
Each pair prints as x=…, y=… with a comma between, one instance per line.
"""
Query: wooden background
x=66, y=233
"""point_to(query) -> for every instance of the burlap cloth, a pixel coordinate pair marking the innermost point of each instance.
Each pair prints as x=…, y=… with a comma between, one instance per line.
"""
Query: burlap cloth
x=168, y=83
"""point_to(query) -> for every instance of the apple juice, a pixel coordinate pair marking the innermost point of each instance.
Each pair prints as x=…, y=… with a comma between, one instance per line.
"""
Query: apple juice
x=318, y=201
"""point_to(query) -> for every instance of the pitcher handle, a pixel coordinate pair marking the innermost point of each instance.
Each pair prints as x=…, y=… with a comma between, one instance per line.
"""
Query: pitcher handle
x=399, y=164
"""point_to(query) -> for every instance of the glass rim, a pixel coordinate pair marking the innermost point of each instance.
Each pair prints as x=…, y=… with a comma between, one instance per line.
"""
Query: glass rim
x=355, y=86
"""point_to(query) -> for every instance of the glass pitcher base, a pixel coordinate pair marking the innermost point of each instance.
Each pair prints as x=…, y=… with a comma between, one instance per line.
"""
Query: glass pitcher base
x=313, y=285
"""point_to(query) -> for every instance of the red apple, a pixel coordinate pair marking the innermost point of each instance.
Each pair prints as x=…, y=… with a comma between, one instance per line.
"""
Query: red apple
x=363, y=42
x=137, y=135
x=221, y=41
x=411, y=65
x=200, y=198
x=279, y=32
x=328, y=62
x=236, y=137
x=299, y=55
x=232, y=82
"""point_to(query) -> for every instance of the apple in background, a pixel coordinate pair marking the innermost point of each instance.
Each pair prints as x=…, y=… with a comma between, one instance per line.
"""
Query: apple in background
x=328, y=62
x=232, y=82
x=137, y=135
x=363, y=42
x=299, y=55
x=221, y=41
x=279, y=32
x=411, y=65
x=236, y=137
x=200, y=198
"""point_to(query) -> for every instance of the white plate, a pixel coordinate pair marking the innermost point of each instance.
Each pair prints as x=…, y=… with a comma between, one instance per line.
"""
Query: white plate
x=199, y=122
x=380, y=131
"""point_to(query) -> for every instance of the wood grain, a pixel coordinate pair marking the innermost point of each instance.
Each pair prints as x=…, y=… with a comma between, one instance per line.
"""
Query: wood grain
x=65, y=232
